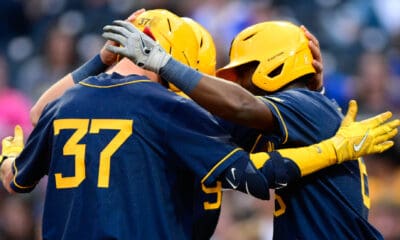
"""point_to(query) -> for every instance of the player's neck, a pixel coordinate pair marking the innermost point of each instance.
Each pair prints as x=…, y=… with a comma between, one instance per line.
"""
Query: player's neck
x=125, y=67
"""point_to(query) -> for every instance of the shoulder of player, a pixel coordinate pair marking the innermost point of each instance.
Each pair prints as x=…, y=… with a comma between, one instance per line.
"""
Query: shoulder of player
x=294, y=95
x=300, y=102
x=113, y=80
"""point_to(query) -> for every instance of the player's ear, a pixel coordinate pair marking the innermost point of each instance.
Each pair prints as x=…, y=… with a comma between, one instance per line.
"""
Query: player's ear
x=228, y=74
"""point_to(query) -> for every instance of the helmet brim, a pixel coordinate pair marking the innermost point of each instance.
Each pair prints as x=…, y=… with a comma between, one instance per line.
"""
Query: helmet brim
x=228, y=71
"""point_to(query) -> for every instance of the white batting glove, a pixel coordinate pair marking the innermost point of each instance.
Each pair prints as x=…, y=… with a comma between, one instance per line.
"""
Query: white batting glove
x=135, y=45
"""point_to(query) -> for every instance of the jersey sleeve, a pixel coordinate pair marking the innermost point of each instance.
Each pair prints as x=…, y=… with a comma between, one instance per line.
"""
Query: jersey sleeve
x=199, y=143
x=245, y=137
x=302, y=116
x=33, y=162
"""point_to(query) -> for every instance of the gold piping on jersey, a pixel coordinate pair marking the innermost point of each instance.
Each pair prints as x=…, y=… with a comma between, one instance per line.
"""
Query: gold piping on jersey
x=115, y=85
x=280, y=117
x=270, y=146
x=255, y=143
x=276, y=99
x=15, y=182
x=219, y=163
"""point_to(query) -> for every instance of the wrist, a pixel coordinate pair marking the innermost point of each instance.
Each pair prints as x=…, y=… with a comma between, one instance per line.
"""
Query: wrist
x=182, y=76
x=323, y=155
x=330, y=149
x=4, y=158
x=92, y=67
x=107, y=57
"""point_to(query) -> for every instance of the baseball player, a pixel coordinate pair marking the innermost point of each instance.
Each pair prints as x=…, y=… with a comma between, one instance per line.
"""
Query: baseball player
x=74, y=75
x=265, y=59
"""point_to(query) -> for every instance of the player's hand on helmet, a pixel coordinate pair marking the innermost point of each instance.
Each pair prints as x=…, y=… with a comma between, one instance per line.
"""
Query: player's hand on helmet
x=136, y=46
x=108, y=57
x=355, y=139
x=12, y=145
x=318, y=81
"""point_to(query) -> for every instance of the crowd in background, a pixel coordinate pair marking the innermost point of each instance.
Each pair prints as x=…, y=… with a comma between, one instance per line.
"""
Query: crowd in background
x=42, y=40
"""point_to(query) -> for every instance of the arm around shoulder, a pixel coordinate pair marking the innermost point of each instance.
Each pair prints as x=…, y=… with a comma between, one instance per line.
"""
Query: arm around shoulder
x=55, y=91
x=220, y=97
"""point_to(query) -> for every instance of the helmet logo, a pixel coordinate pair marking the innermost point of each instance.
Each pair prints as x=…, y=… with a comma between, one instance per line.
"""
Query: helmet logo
x=144, y=21
x=275, y=56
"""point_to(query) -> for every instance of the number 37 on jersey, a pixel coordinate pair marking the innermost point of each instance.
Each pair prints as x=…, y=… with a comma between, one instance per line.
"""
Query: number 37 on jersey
x=72, y=147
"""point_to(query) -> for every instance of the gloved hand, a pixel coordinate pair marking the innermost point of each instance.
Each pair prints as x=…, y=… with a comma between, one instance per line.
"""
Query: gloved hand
x=108, y=57
x=12, y=145
x=136, y=46
x=355, y=139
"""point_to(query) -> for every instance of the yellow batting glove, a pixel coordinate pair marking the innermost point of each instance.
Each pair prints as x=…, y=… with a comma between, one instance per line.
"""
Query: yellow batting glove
x=355, y=139
x=12, y=146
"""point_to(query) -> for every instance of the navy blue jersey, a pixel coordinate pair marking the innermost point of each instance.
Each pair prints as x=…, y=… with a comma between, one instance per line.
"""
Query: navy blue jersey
x=122, y=155
x=206, y=209
x=332, y=203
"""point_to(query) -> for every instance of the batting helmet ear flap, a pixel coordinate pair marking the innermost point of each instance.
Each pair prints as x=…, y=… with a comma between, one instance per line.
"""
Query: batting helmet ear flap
x=280, y=47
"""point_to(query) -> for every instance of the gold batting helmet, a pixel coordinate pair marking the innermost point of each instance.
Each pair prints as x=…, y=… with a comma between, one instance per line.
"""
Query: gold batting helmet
x=280, y=48
x=172, y=33
x=207, y=58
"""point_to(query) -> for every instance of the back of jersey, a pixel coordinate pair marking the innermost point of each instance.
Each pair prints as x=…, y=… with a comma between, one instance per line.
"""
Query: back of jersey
x=122, y=155
x=108, y=177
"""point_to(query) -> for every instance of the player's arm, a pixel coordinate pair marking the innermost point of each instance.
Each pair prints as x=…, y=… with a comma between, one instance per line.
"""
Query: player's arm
x=222, y=98
x=55, y=91
x=24, y=165
x=279, y=168
x=94, y=66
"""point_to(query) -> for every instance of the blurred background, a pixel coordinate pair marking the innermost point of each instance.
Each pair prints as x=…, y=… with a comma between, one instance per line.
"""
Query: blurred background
x=42, y=40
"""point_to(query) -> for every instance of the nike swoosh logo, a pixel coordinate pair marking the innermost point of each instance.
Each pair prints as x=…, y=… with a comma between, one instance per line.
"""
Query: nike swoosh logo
x=358, y=146
x=233, y=173
x=234, y=179
x=232, y=185
x=145, y=49
x=281, y=185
